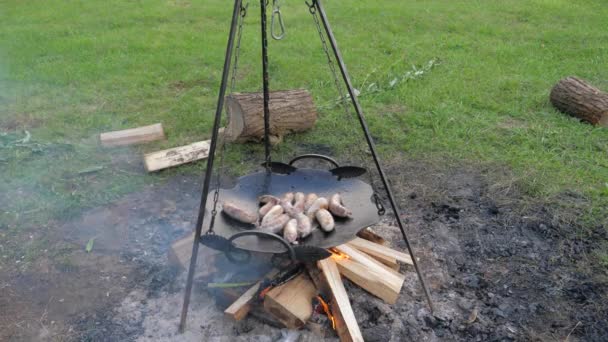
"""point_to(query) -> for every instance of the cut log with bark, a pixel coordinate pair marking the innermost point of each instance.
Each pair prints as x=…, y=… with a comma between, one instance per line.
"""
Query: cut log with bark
x=291, y=303
x=290, y=111
x=132, y=136
x=346, y=323
x=582, y=100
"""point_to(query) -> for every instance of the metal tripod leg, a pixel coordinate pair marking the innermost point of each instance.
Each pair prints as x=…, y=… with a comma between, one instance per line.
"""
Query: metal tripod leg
x=210, y=159
x=370, y=143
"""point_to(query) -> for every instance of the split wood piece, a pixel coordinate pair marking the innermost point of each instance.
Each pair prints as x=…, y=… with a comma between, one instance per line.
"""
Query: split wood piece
x=346, y=323
x=386, y=260
x=370, y=274
x=291, y=303
x=241, y=307
x=181, y=250
x=369, y=234
x=290, y=111
x=176, y=156
x=382, y=253
x=582, y=100
x=132, y=136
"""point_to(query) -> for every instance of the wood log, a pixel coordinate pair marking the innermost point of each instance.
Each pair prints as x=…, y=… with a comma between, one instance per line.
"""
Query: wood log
x=382, y=253
x=369, y=234
x=241, y=307
x=290, y=111
x=132, y=136
x=369, y=274
x=582, y=100
x=176, y=156
x=346, y=323
x=291, y=303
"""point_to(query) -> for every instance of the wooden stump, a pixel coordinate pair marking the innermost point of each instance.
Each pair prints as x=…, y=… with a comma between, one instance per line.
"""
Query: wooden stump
x=580, y=99
x=290, y=111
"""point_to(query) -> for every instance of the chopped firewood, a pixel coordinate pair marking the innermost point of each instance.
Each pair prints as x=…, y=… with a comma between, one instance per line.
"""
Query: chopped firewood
x=382, y=253
x=176, y=156
x=369, y=234
x=291, y=303
x=181, y=250
x=132, y=136
x=344, y=318
x=389, y=261
x=241, y=307
x=369, y=274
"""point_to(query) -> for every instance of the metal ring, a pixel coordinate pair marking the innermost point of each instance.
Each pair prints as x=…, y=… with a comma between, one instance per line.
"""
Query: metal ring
x=311, y=7
x=290, y=251
x=313, y=156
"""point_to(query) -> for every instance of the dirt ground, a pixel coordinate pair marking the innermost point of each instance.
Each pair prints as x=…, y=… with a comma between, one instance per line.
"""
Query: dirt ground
x=500, y=268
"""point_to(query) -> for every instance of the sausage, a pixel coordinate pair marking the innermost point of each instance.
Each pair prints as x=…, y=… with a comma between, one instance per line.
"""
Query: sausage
x=231, y=209
x=336, y=207
x=320, y=203
x=300, y=201
x=310, y=199
x=304, y=225
x=268, y=199
x=273, y=213
x=276, y=224
x=326, y=221
x=290, y=232
x=288, y=208
x=288, y=197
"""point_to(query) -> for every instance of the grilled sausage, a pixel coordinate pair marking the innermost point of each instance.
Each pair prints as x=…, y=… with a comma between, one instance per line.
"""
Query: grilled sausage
x=320, y=203
x=290, y=232
x=288, y=208
x=288, y=197
x=273, y=213
x=300, y=201
x=336, y=207
x=268, y=199
x=326, y=221
x=304, y=225
x=231, y=209
x=276, y=224
x=310, y=199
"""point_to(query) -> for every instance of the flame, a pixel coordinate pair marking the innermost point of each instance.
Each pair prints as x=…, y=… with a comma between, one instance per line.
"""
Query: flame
x=264, y=292
x=327, y=311
x=337, y=255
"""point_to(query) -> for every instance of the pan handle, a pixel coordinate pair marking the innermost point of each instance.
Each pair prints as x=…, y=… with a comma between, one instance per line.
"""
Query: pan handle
x=314, y=156
x=290, y=251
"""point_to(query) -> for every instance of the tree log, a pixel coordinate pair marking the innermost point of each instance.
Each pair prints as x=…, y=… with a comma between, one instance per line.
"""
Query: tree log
x=580, y=99
x=290, y=111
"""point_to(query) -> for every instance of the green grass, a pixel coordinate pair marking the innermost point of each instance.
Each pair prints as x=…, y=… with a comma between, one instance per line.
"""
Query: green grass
x=72, y=69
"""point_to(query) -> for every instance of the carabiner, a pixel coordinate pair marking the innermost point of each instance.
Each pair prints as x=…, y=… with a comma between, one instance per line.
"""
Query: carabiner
x=276, y=12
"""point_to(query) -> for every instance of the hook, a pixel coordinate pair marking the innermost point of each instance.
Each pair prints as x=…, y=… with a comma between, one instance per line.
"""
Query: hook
x=276, y=12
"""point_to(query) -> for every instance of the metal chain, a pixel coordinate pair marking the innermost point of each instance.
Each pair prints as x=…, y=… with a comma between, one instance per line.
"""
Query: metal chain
x=222, y=137
x=343, y=99
x=264, y=4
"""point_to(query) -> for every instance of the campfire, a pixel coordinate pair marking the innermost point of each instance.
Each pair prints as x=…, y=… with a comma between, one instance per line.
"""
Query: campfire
x=311, y=295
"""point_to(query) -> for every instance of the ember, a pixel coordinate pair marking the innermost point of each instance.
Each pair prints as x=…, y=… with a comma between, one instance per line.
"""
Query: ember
x=327, y=311
x=337, y=255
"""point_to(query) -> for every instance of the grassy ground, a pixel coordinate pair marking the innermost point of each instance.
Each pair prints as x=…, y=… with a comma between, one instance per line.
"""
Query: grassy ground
x=72, y=69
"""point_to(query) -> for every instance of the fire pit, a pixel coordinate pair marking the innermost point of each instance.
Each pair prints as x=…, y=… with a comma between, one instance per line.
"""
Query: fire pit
x=364, y=265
